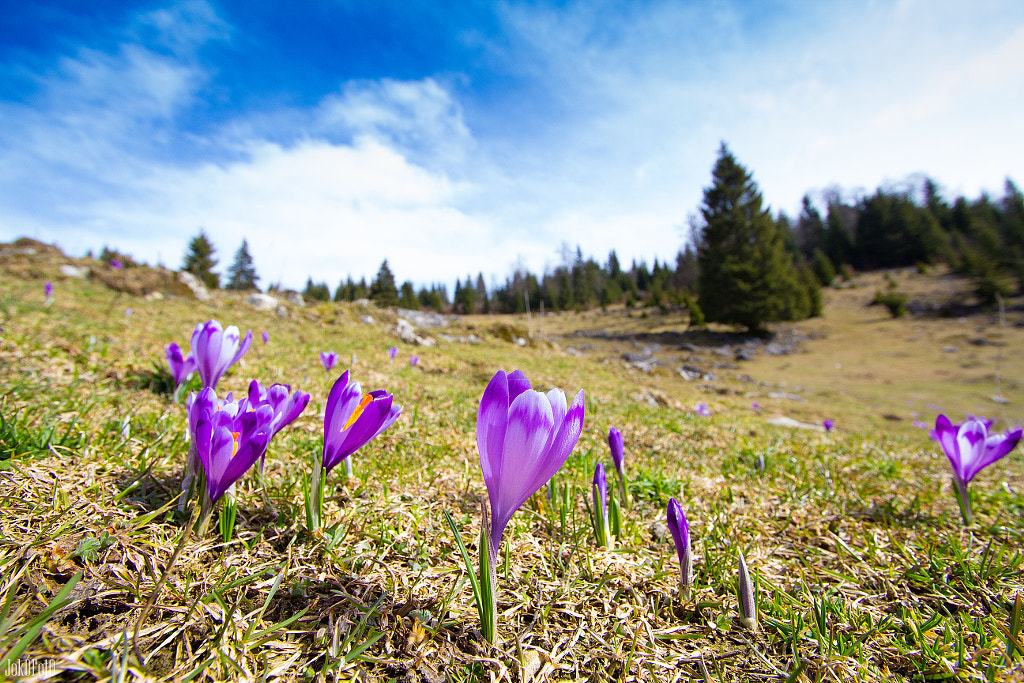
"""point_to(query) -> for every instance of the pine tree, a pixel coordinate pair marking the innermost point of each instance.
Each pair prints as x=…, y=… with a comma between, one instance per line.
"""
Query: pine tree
x=200, y=262
x=383, y=291
x=407, y=297
x=242, y=273
x=483, y=301
x=745, y=275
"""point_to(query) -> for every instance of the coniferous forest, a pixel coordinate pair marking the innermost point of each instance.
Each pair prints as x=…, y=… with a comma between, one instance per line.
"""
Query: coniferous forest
x=741, y=263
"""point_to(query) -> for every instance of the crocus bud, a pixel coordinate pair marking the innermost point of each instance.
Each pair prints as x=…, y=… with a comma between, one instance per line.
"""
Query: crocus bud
x=747, y=607
x=600, y=489
x=680, y=530
x=616, y=447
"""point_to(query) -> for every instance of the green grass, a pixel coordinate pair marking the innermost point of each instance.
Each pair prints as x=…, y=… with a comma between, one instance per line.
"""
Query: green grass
x=854, y=539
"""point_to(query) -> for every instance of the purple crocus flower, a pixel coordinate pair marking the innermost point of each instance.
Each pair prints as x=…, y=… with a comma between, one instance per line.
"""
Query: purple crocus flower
x=328, y=359
x=413, y=360
x=393, y=352
x=286, y=407
x=228, y=439
x=601, y=489
x=616, y=446
x=755, y=406
x=600, y=492
x=115, y=264
x=48, y=288
x=524, y=437
x=680, y=530
x=181, y=366
x=352, y=419
x=828, y=425
x=970, y=448
x=266, y=336
x=702, y=409
x=216, y=349
x=919, y=424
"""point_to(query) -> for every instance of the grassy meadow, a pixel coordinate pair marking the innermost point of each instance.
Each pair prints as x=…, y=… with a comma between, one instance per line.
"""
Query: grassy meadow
x=863, y=568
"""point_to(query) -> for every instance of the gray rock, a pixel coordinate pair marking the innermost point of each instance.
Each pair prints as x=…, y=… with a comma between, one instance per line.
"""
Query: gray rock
x=282, y=312
x=660, y=532
x=407, y=333
x=744, y=354
x=262, y=302
x=368, y=319
x=78, y=272
x=197, y=288
x=795, y=424
x=295, y=298
x=425, y=319
x=791, y=397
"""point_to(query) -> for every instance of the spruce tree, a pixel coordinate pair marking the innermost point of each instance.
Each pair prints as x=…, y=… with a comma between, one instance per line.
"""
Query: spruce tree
x=745, y=274
x=383, y=291
x=200, y=262
x=242, y=273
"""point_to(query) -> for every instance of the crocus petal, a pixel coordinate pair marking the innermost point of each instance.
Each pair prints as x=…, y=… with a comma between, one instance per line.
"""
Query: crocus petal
x=601, y=482
x=517, y=384
x=997, y=446
x=945, y=433
x=344, y=435
x=523, y=454
x=970, y=445
x=616, y=446
x=491, y=422
x=680, y=530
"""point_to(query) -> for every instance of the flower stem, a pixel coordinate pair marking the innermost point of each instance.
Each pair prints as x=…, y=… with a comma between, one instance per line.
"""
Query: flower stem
x=160, y=584
x=488, y=603
x=965, y=501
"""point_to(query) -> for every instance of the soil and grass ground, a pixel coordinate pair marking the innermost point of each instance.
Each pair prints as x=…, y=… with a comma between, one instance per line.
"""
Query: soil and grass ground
x=864, y=570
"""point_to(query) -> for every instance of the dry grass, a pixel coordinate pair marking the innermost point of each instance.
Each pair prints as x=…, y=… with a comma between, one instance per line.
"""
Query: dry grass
x=864, y=571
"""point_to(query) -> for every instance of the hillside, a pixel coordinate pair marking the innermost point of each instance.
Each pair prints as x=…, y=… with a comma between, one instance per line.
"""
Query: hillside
x=864, y=570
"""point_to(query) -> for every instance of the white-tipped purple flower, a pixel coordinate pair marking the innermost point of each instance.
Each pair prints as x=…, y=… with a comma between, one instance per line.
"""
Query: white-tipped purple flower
x=181, y=366
x=680, y=530
x=702, y=409
x=228, y=439
x=524, y=437
x=615, y=445
x=828, y=425
x=328, y=359
x=286, y=407
x=216, y=349
x=970, y=448
x=747, y=605
x=352, y=418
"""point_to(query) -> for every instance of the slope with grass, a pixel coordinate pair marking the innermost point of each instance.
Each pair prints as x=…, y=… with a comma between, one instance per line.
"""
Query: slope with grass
x=863, y=568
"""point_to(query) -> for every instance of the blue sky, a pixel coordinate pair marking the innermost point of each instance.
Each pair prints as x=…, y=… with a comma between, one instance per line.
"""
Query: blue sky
x=456, y=138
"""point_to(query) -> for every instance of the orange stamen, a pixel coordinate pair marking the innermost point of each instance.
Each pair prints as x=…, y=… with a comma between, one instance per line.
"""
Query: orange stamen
x=234, y=437
x=367, y=399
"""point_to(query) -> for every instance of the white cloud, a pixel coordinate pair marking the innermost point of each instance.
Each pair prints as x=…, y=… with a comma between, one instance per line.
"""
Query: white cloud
x=608, y=143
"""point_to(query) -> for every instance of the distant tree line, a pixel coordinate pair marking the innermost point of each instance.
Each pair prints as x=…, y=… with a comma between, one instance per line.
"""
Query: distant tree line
x=741, y=266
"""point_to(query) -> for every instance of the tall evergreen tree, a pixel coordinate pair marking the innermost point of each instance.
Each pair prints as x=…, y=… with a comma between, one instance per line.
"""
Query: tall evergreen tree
x=745, y=272
x=200, y=262
x=242, y=273
x=483, y=302
x=383, y=291
x=407, y=296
